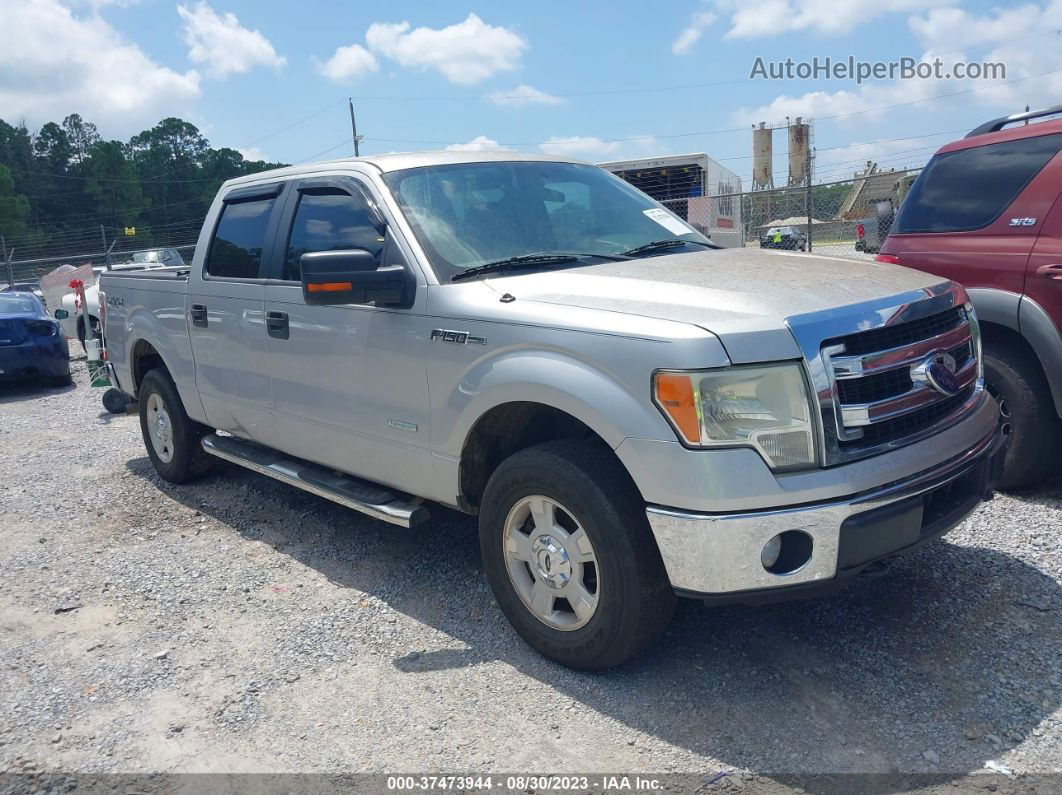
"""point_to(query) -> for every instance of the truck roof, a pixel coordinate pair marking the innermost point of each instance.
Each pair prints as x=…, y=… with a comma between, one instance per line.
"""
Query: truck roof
x=396, y=161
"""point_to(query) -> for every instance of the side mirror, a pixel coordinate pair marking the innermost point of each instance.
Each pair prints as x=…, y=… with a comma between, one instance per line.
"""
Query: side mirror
x=61, y=314
x=350, y=277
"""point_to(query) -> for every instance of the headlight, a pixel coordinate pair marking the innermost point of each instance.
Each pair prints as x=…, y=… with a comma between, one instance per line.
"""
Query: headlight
x=766, y=408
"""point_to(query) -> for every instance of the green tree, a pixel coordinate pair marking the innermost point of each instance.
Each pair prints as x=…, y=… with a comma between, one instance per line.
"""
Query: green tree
x=82, y=135
x=112, y=186
x=14, y=207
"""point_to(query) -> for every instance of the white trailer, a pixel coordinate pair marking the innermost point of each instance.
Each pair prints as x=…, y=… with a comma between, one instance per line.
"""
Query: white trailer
x=694, y=187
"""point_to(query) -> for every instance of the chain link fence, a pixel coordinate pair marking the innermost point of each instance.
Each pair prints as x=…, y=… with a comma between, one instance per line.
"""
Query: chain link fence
x=27, y=260
x=847, y=218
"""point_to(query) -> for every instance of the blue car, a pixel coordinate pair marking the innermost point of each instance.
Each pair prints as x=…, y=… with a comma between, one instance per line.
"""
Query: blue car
x=32, y=345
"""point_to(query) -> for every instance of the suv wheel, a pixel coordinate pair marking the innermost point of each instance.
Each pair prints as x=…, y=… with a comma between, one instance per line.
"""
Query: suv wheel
x=1014, y=378
x=172, y=439
x=570, y=557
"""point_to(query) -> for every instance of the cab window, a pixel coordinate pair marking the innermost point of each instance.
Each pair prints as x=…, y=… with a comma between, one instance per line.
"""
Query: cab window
x=329, y=220
x=236, y=250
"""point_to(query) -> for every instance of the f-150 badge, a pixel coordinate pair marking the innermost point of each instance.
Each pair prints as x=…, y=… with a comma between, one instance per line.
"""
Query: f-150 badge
x=456, y=337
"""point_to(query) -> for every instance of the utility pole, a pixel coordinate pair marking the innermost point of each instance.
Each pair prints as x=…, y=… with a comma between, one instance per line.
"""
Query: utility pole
x=354, y=129
x=809, y=196
x=103, y=237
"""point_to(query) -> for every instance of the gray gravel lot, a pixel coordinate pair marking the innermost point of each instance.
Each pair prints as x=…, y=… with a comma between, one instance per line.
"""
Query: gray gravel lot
x=237, y=624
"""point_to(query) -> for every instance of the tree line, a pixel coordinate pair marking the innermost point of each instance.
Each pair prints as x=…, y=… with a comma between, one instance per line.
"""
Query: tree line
x=64, y=178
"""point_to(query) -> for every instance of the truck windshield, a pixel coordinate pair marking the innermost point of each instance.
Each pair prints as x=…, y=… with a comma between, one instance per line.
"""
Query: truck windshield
x=468, y=214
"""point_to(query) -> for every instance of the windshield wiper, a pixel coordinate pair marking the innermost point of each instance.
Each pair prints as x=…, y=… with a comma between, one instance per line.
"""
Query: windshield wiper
x=513, y=263
x=659, y=244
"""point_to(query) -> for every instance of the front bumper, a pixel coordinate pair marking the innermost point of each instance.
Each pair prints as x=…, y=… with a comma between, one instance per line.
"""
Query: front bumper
x=717, y=556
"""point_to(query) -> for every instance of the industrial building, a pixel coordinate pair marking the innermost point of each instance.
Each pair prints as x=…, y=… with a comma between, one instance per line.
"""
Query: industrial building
x=695, y=187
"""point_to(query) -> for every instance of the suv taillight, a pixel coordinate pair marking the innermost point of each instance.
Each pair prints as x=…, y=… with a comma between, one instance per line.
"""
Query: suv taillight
x=889, y=258
x=861, y=231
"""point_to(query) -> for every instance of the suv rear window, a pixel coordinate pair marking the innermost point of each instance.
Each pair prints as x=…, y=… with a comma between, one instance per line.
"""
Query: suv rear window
x=236, y=251
x=970, y=188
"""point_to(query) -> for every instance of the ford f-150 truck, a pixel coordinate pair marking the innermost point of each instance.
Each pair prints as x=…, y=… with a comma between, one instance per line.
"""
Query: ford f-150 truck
x=631, y=412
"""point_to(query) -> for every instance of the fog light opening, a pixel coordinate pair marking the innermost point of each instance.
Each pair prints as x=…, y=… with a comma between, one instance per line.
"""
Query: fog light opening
x=787, y=552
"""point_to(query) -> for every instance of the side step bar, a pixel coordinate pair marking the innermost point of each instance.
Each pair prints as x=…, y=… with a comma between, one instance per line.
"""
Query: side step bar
x=361, y=495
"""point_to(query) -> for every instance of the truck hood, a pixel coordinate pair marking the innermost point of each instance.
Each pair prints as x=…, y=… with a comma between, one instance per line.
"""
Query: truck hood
x=743, y=296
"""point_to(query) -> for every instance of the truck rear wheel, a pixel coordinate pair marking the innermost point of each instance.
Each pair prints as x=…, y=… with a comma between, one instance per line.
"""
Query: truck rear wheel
x=1013, y=376
x=570, y=557
x=172, y=439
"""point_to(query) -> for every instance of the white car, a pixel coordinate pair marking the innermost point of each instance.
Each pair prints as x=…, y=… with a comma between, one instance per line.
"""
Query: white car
x=72, y=322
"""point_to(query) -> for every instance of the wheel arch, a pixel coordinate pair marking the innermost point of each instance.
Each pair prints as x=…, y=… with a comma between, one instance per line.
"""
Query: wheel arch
x=1019, y=321
x=509, y=427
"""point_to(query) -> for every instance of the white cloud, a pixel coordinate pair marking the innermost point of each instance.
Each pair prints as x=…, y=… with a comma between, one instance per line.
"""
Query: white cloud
x=349, y=63
x=578, y=146
x=480, y=143
x=523, y=95
x=222, y=45
x=692, y=33
x=1024, y=38
x=591, y=147
x=762, y=18
x=54, y=63
x=252, y=153
x=467, y=52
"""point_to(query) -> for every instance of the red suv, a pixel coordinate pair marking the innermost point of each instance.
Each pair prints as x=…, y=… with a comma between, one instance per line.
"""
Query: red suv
x=986, y=212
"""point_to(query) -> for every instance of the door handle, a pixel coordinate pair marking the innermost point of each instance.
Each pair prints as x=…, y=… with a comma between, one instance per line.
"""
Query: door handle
x=1052, y=271
x=277, y=324
x=199, y=315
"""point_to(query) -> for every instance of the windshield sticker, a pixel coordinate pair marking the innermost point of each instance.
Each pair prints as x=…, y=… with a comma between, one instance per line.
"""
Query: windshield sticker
x=668, y=221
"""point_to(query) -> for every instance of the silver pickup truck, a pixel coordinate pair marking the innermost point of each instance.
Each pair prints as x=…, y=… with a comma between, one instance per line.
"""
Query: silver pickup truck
x=631, y=412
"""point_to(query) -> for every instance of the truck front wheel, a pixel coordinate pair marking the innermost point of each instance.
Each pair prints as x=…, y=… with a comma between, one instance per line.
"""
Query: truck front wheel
x=172, y=438
x=570, y=557
x=1027, y=412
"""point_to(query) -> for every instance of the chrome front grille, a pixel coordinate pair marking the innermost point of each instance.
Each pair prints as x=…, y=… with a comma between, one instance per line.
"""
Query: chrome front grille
x=892, y=372
x=883, y=394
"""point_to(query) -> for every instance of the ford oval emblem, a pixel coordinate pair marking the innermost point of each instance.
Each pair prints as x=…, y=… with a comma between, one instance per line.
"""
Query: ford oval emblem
x=939, y=370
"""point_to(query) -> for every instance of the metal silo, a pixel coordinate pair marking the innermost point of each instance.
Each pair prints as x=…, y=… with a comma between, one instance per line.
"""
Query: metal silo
x=762, y=157
x=799, y=143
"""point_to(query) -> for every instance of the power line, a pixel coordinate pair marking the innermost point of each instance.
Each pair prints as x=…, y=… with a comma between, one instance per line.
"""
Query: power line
x=742, y=128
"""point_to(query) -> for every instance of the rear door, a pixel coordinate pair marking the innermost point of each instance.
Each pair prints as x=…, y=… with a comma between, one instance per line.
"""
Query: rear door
x=973, y=214
x=225, y=308
x=349, y=382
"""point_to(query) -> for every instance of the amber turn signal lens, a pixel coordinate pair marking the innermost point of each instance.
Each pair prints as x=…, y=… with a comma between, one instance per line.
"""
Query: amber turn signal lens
x=329, y=287
x=674, y=394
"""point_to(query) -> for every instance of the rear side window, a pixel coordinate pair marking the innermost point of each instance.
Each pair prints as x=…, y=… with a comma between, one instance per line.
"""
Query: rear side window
x=236, y=251
x=969, y=189
x=329, y=219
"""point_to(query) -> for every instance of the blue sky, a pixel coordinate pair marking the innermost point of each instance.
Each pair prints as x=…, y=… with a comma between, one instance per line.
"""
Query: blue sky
x=574, y=77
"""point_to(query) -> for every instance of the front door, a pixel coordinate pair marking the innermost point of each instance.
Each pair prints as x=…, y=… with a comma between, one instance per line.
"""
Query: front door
x=349, y=382
x=225, y=309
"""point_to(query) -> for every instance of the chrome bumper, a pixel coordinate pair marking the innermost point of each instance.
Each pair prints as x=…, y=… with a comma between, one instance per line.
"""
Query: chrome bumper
x=714, y=554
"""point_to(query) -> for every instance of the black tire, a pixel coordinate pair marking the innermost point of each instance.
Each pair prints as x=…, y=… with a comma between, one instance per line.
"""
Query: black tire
x=115, y=401
x=636, y=599
x=187, y=460
x=1014, y=377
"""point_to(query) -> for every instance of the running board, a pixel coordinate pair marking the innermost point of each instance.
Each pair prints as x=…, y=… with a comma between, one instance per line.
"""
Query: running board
x=361, y=495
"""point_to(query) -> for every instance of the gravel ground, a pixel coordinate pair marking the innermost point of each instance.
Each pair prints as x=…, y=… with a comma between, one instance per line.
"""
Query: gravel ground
x=237, y=624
